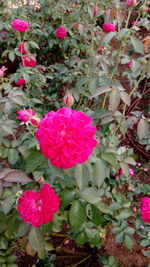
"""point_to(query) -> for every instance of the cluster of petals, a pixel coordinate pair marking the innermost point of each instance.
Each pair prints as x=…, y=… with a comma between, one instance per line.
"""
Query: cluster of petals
x=21, y=48
x=66, y=137
x=130, y=3
x=20, y=25
x=61, y=32
x=2, y=70
x=20, y=82
x=38, y=208
x=109, y=27
x=145, y=209
x=28, y=61
x=27, y=115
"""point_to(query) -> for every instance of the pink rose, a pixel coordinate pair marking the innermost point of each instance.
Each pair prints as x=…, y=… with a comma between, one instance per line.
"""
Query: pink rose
x=134, y=23
x=21, y=48
x=148, y=9
x=108, y=27
x=94, y=11
x=28, y=61
x=25, y=114
x=131, y=171
x=20, y=82
x=61, y=32
x=130, y=3
x=145, y=209
x=20, y=25
x=66, y=137
x=38, y=208
x=130, y=63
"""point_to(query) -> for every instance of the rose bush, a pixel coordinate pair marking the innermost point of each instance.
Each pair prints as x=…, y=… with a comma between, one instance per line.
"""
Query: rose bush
x=97, y=66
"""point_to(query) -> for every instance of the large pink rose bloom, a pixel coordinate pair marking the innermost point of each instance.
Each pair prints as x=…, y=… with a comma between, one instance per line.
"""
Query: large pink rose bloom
x=61, y=32
x=145, y=209
x=108, y=27
x=38, y=208
x=20, y=25
x=66, y=137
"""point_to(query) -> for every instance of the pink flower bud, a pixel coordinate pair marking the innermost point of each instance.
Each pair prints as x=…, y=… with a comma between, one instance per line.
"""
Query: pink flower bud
x=148, y=9
x=134, y=23
x=109, y=27
x=131, y=3
x=20, y=82
x=27, y=115
x=2, y=70
x=21, y=48
x=94, y=11
x=131, y=171
x=41, y=180
x=68, y=99
x=130, y=63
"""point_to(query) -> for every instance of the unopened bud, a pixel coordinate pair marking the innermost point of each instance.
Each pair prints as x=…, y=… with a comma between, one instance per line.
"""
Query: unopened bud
x=35, y=121
x=41, y=180
x=19, y=193
x=68, y=99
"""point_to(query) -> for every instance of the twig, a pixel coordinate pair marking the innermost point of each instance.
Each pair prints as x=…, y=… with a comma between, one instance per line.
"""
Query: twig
x=74, y=265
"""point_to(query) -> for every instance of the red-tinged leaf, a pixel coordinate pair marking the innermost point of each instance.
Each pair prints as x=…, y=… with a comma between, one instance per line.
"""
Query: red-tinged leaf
x=4, y=172
x=17, y=176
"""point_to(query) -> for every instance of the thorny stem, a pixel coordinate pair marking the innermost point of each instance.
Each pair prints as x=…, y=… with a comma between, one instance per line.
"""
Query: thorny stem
x=74, y=265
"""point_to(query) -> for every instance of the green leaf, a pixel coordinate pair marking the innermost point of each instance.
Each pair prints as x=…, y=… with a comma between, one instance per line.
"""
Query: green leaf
x=125, y=168
x=97, y=217
x=77, y=214
x=93, y=85
x=81, y=175
x=138, y=45
x=129, y=230
x=100, y=170
x=124, y=214
x=23, y=229
x=66, y=197
x=130, y=160
x=81, y=239
x=108, y=38
x=147, y=254
x=33, y=161
x=125, y=98
x=17, y=176
x=145, y=243
x=111, y=159
x=37, y=241
x=90, y=194
x=104, y=208
x=12, y=55
x=128, y=241
x=143, y=129
x=8, y=204
x=101, y=90
x=13, y=156
x=120, y=237
x=114, y=99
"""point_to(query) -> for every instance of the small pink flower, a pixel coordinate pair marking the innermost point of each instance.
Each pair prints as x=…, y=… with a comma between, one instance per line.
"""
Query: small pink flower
x=28, y=61
x=66, y=137
x=148, y=9
x=130, y=3
x=38, y=208
x=103, y=47
x=108, y=27
x=131, y=171
x=61, y=32
x=20, y=25
x=142, y=227
x=2, y=70
x=145, y=209
x=21, y=48
x=25, y=114
x=134, y=23
x=130, y=63
x=20, y=82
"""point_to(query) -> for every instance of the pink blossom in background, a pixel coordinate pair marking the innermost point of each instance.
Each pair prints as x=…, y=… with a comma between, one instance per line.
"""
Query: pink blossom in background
x=134, y=23
x=28, y=61
x=103, y=47
x=66, y=137
x=2, y=71
x=148, y=9
x=145, y=209
x=108, y=27
x=21, y=48
x=61, y=32
x=130, y=63
x=38, y=208
x=20, y=82
x=25, y=114
x=131, y=171
x=130, y=3
x=20, y=25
